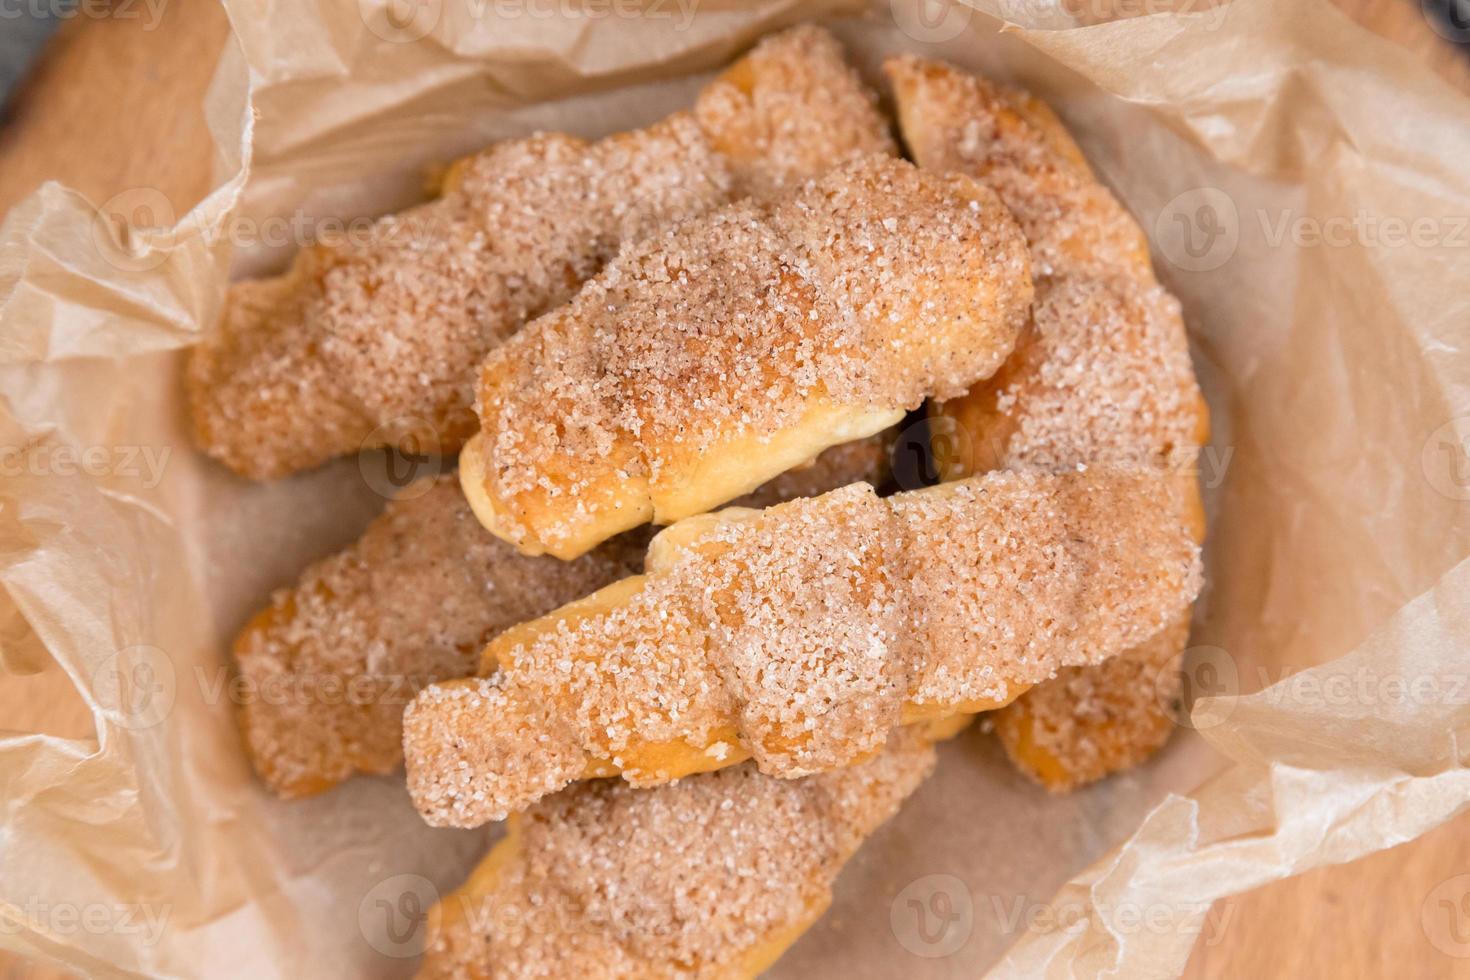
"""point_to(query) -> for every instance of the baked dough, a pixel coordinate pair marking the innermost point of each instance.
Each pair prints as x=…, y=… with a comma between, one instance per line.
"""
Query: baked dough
x=713, y=877
x=327, y=668
x=374, y=340
x=1101, y=376
x=702, y=363
x=800, y=635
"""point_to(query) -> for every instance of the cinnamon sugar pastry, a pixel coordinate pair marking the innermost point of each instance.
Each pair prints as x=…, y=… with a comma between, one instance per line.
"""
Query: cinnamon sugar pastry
x=327, y=668
x=1100, y=377
x=700, y=364
x=375, y=343
x=713, y=877
x=800, y=635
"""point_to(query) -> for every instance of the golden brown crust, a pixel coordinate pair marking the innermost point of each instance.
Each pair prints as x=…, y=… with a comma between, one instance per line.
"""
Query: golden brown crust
x=863, y=461
x=713, y=877
x=374, y=340
x=1100, y=376
x=740, y=344
x=800, y=635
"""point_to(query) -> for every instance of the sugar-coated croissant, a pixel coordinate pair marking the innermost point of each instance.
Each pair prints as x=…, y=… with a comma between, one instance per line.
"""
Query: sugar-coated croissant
x=376, y=342
x=700, y=364
x=713, y=877
x=800, y=635
x=1101, y=376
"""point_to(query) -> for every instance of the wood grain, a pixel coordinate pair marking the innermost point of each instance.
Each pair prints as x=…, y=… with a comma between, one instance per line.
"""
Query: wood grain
x=114, y=106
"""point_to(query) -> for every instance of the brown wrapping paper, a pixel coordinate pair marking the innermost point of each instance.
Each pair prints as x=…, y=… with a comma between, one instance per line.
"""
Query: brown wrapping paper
x=1304, y=188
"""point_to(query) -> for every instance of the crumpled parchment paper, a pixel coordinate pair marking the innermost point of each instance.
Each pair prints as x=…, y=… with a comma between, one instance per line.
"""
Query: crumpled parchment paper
x=1306, y=192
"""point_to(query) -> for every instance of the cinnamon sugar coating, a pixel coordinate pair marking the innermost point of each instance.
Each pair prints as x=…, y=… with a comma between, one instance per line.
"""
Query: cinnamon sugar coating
x=1101, y=376
x=327, y=668
x=329, y=665
x=712, y=877
x=703, y=362
x=1090, y=722
x=375, y=341
x=955, y=122
x=800, y=635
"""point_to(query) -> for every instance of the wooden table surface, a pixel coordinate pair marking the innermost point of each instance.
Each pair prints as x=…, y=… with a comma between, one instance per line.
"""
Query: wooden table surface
x=112, y=106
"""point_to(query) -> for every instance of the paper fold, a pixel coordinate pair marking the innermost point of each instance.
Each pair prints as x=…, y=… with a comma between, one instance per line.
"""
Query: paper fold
x=1246, y=137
